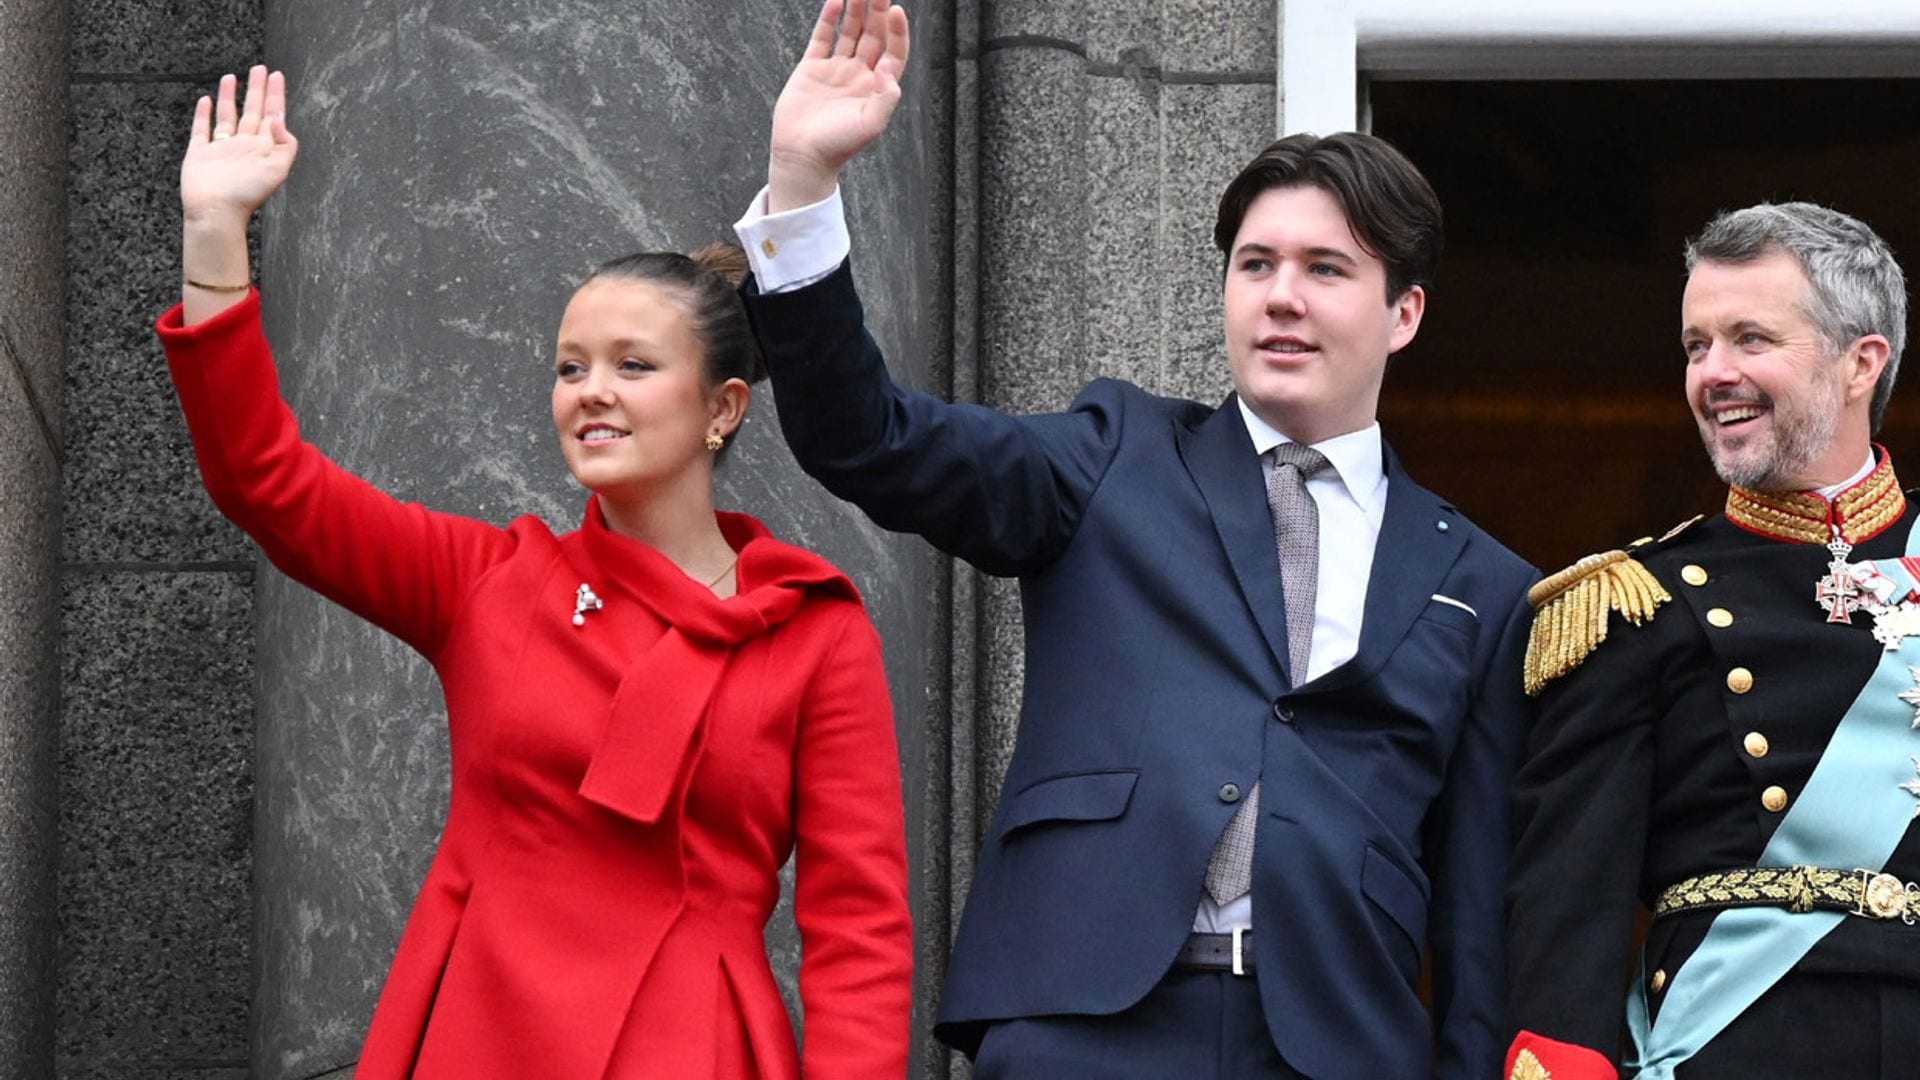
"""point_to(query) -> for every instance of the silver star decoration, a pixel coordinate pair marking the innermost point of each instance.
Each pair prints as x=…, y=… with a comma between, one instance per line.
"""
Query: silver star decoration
x=1912, y=787
x=1912, y=697
x=1891, y=624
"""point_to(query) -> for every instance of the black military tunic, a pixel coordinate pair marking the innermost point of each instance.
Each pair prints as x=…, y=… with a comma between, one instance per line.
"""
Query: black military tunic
x=1674, y=749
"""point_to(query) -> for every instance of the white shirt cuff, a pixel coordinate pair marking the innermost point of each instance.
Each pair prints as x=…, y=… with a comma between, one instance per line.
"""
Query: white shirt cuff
x=794, y=248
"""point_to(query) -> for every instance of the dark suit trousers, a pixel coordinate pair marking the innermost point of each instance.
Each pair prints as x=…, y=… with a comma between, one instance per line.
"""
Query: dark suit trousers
x=1194, y=1025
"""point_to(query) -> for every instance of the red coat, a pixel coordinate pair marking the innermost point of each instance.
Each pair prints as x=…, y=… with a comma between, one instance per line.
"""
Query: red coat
x=624, y=791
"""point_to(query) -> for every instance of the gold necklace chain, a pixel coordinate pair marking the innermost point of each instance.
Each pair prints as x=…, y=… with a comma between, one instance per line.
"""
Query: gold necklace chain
x=724, y=573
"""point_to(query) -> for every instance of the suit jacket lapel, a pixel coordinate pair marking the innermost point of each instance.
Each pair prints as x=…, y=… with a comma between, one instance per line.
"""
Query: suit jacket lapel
x=1420, y=538
x=1218, y=454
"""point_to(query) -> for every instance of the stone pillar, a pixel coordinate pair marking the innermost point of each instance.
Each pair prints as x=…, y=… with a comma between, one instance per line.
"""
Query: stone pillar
x=460, y=169
x=156, y=626
x=1105, y=135
x=33, y=173
x=948, y=35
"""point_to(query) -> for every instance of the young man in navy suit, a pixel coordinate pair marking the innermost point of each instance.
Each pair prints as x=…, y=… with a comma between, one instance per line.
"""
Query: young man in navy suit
x=1273, y=698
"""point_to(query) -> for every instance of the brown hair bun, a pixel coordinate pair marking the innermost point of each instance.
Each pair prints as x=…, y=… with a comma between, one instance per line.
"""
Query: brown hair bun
x=727, y=260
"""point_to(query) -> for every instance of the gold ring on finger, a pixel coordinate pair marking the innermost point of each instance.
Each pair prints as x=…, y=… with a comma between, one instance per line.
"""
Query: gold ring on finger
x=218, y=135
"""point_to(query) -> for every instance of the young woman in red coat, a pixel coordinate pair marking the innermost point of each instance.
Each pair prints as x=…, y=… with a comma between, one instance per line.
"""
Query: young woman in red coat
x=647, y=714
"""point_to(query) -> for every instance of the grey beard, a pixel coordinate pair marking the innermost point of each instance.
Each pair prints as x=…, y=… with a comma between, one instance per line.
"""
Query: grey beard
x=1797, y=442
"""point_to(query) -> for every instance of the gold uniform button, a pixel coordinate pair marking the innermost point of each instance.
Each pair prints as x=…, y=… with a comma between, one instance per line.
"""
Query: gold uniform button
x=1756, y=744
x=1693, y=574
x=1739, y=680
x=1720, y=617
x=1659, y=980
x=1774, y=798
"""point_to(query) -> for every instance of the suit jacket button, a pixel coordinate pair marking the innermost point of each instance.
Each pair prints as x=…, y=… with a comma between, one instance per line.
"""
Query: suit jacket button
x=1229, y=793
x=1774, y=798
x=1282, y=713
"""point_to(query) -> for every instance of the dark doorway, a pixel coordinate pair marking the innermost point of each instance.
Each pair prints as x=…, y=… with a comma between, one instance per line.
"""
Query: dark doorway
x=1544, y=393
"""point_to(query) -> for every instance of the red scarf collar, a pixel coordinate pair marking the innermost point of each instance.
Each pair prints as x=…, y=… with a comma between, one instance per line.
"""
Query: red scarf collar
x=654, y=722
x=771, y=579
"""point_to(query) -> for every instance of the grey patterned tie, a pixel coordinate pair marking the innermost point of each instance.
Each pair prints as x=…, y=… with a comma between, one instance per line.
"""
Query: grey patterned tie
x=1296, y=534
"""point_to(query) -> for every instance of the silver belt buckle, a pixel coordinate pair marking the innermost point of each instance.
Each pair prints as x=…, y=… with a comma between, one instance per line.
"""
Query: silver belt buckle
x=1239, y=933
x=1884, y=896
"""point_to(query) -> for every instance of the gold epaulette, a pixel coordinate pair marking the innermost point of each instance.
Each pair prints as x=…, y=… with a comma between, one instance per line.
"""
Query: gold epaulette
x=1572, y=607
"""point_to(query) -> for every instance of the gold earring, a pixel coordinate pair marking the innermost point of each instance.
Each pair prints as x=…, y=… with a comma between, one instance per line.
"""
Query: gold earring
x=715, y=442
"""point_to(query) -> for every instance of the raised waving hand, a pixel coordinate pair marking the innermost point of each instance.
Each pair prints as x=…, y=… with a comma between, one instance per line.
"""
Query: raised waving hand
x=237, y=156
x=838, y=99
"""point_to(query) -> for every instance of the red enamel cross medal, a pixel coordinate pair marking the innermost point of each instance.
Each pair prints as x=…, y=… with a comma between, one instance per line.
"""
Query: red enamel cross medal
x=1838, y=592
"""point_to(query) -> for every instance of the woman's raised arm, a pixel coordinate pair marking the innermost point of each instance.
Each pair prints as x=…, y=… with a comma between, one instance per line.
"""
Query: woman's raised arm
x=235, y=159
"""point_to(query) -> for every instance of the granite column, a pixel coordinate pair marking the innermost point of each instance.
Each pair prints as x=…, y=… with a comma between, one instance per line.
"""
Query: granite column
x=33, y=172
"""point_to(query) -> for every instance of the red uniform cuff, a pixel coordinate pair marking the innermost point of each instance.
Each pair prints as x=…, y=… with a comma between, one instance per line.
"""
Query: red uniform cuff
x=1536, y=1057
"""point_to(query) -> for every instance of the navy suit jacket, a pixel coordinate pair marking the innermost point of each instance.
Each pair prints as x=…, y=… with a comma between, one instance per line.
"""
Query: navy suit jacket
x=1156, y=673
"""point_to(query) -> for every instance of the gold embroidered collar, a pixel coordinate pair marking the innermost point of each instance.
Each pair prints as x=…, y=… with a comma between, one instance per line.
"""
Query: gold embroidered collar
x=1859, y=512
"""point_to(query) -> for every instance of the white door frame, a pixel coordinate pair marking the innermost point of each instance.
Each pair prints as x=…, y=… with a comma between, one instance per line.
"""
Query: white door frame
x=1327, y=47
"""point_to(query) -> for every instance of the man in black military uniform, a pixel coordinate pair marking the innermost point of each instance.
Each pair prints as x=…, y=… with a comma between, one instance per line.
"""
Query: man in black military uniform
x=1729, y=714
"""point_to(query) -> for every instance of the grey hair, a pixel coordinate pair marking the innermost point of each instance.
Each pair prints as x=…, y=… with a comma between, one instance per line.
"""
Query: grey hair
x=1856, y=287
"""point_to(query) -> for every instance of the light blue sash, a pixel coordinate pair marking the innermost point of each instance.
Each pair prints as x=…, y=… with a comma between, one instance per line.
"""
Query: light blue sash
x=1851, y=814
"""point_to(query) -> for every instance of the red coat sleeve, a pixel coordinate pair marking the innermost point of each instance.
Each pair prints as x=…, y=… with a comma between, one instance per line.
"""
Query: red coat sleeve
x=396, y=565
x=850, y=877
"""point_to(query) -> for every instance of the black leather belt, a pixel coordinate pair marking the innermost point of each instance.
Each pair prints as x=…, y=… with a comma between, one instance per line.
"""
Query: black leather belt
x=1217, y=952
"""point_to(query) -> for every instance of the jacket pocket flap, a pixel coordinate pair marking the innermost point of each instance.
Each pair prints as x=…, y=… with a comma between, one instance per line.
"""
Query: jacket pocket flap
x=1389, y=887
x=1095, y=796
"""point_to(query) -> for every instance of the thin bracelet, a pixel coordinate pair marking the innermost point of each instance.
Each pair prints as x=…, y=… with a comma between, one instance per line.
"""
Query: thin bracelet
x=216, y=288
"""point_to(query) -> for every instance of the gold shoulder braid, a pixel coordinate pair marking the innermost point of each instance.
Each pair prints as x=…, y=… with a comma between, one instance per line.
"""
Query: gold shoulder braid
x=1571, y=609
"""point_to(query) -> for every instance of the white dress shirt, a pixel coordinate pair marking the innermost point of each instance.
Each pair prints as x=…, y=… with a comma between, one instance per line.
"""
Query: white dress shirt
x=798, y=247
x=1831, y=490
x=794, y=248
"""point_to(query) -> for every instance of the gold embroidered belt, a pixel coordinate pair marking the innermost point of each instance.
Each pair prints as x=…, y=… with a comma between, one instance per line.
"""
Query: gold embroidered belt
x=1869, y=894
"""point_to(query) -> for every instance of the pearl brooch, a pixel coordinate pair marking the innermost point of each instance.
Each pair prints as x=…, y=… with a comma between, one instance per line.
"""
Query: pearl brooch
x=584, y=601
